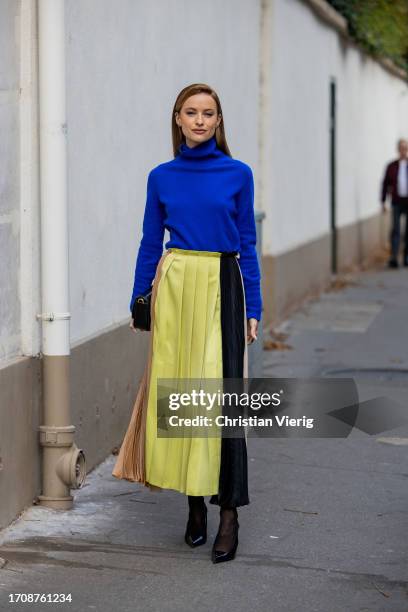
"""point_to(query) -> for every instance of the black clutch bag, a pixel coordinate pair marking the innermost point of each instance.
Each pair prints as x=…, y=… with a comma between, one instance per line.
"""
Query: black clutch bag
x=141, y=311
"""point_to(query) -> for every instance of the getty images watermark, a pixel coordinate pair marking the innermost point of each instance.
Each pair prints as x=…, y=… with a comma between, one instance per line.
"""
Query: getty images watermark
x=210, y=401
x=269, y=407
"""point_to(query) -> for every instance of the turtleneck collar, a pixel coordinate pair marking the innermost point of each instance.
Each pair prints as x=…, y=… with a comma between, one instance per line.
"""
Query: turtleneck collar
x=204, y=149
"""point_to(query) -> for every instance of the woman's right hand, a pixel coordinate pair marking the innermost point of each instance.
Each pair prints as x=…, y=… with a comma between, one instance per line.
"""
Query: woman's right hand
x=133, y=328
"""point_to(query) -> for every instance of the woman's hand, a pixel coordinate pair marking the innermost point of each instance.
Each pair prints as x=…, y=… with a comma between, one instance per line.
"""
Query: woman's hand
x=133, y=328
x=252, y=330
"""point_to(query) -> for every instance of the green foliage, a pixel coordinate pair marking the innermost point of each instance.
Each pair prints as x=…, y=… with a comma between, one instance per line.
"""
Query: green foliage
x=379, y=26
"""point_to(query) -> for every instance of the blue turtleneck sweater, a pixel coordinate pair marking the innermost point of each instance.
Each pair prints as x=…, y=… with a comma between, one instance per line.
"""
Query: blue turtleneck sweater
x=205, y=199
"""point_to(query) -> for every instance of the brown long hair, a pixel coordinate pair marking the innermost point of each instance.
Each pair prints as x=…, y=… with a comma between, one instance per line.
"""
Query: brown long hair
x=177, y=134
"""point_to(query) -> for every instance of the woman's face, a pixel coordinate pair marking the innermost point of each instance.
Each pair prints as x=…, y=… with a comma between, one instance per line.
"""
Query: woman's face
x=198, y=118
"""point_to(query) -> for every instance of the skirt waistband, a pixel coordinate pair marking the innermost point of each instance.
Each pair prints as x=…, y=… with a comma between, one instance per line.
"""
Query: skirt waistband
x=204, y=253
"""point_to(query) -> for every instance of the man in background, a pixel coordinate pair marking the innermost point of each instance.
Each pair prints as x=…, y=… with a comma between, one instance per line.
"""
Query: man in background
x=395, y=182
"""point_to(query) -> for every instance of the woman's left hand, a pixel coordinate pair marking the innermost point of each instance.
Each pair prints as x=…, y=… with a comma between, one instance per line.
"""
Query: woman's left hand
x=252, y=330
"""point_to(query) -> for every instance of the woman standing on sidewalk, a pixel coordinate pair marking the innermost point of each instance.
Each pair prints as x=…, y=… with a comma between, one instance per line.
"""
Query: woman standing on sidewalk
x=205, y=308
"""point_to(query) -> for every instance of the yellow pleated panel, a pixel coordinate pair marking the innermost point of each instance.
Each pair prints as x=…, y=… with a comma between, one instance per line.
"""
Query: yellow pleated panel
x=187, y=343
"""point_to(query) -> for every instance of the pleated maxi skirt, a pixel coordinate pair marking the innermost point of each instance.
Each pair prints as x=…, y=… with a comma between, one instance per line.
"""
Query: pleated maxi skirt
x=198, y=330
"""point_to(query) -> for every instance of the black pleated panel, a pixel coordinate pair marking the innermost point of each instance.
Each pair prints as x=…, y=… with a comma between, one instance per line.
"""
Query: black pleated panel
x=233, y=483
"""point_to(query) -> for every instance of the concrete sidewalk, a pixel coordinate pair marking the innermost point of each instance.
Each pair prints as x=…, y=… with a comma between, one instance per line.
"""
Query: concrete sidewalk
x=327, y=526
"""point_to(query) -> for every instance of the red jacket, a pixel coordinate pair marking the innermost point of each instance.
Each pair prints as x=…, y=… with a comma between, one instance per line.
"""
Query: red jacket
x=390, y=181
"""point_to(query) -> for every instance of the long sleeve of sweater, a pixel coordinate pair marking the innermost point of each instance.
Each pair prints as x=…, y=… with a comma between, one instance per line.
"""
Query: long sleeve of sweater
x=248, y=259
x=151, y=245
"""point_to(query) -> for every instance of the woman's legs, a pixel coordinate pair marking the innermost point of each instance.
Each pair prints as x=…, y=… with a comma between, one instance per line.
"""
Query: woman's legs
x=226, y=540
x=196, y=530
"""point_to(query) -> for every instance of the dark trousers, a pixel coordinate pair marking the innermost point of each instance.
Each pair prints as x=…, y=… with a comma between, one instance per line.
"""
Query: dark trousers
x=399, y=207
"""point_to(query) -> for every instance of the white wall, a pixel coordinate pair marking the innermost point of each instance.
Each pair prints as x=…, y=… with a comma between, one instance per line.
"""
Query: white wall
x=126, y=63
x=372, y=113
x=10, y=325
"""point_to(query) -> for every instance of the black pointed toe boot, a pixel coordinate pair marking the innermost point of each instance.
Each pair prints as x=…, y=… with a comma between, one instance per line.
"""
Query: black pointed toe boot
x=196, y=530
x=226, y=541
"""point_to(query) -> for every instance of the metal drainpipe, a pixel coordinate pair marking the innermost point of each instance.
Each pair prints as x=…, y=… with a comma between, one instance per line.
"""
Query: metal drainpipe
x=63, y=464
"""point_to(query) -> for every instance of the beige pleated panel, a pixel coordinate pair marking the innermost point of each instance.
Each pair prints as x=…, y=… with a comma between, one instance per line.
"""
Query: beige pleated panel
x=130, y=463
